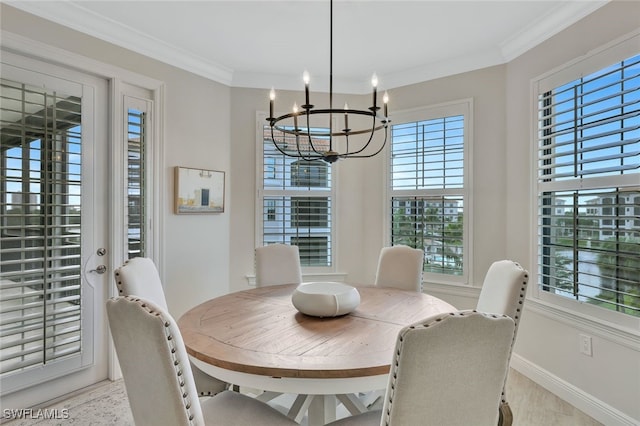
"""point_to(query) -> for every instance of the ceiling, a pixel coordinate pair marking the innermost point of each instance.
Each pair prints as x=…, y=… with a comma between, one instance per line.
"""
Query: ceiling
x=270, y=43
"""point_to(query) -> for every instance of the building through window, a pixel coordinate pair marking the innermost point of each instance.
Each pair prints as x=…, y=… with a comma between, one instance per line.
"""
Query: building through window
x=588, y=186
x=295, y=203
x=429, y=188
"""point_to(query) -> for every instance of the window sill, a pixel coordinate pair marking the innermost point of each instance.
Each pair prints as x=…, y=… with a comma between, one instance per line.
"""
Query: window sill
x=626, y=335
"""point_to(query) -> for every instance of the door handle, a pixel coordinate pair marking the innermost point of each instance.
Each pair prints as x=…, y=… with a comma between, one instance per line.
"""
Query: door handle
x=100, y=269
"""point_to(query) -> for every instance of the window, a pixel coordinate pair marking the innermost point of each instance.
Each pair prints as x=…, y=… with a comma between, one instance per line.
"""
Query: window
x=428, y=181
x=138, y=150
x=309, y=173
x=41, y=265
x=313, y=249
x=270, y=209
x=588, y=184
x=136, y=183
x=309, y=212
x=295, y=202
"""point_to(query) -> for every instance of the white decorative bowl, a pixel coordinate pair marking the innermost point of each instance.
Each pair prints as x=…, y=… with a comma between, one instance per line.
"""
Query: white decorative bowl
x=325, y=299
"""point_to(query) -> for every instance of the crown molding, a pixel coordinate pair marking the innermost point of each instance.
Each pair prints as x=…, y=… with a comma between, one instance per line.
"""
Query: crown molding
x=77, y=17
x=432, y=71
x=20, y=44
x=73, y=15
x=557, y=19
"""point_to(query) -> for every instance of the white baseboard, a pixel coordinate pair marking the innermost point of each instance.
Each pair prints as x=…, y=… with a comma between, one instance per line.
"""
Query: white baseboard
x=583, y=401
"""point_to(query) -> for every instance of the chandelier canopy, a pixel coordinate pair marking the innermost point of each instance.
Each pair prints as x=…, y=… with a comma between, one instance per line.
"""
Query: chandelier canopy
x=301, y=137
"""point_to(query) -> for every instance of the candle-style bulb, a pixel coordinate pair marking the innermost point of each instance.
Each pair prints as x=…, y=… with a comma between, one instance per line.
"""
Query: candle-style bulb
x=295, y=108
x=346, y=117
x=272, y=96
x=305, y=77
x=374, y=83
x=385, y=100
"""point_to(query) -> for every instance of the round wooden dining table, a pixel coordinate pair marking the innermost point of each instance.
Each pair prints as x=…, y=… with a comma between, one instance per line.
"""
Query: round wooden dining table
x=257, y=339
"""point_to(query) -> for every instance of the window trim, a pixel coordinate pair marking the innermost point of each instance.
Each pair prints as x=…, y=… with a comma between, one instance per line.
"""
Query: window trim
x=456, y=107
x=261, y=118
x=151, y=100
x=615, y=51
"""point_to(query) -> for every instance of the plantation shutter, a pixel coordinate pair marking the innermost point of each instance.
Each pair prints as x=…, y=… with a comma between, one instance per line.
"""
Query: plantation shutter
x=589, y=187
x=427, y=190
x=296, y=203
x=40, y=264
x=136, y=184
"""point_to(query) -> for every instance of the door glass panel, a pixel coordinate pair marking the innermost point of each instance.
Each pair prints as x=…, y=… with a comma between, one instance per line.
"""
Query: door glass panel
x=40, y=208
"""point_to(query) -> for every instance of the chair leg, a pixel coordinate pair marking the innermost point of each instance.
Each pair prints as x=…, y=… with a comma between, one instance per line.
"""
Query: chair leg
x=506, y=416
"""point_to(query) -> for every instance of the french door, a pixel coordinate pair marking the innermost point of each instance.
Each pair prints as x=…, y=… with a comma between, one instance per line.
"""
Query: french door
x=54, y=216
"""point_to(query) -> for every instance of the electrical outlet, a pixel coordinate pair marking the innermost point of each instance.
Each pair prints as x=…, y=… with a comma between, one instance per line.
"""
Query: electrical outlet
x=585, y=345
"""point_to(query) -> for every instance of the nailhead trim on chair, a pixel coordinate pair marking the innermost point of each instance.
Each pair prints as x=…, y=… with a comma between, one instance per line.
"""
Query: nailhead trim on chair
x=401, y=340
x=173, y=350
x=118, y=280
x=516, y=318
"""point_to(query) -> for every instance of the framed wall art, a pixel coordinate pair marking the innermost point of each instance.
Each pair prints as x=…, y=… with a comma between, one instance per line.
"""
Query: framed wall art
x=198, y=191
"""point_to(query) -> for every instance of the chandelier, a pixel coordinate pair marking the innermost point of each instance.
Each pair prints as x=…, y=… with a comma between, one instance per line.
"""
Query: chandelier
x=300, y=139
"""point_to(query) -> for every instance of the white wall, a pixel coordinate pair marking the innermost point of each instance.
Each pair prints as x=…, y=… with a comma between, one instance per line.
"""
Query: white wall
x=195, y=262
x=607, y=385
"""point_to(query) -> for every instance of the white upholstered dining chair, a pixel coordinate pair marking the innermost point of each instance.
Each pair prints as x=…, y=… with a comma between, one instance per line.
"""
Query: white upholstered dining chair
x=277, y=264
x=400, y=267
x=157, y=373
x=503, y=292
x=139, y=276
x=446, y=370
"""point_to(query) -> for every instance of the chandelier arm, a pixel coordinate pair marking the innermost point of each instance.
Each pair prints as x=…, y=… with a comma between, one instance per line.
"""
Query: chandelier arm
x=372, y=132
x=284, y=152
x=306, y=157
x=372, y=154
x=352, y=132
x=308, y=133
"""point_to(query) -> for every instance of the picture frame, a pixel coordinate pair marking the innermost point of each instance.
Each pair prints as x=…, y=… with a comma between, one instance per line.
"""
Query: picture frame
x=198, y=191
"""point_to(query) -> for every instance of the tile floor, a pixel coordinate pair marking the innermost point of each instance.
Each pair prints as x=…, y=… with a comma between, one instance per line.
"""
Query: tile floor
x=106, y=404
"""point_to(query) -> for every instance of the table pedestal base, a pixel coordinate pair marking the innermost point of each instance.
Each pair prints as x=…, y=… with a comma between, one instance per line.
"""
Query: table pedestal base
x=321, y=409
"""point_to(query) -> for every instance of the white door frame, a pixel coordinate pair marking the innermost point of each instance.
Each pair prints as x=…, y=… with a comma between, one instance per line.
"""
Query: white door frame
x=90, y=363
x=115, y=76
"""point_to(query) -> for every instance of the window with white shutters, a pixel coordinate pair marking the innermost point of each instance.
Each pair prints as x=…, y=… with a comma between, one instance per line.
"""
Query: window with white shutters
x=428, y=182
x=588, y=184
x=136, y=184
x=295, y=203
